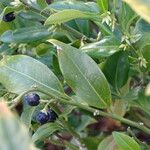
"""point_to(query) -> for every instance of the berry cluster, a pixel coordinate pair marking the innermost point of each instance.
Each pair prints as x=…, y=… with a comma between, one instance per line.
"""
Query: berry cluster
x=42, y=117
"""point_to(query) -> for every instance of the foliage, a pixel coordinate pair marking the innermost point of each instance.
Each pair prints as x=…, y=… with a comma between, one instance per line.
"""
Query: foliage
x=86, y=61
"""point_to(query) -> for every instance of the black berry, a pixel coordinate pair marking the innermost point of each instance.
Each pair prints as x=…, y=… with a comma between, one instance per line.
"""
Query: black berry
x=32, y=99
x=52, y=115
x=9, y=17
x=42, y=117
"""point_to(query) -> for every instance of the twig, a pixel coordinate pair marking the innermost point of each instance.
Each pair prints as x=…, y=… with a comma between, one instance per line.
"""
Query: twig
x=136, y=139
x=68, y=100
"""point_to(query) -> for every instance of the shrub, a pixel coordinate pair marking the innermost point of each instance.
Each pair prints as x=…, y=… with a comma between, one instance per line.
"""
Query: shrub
x=84, y=66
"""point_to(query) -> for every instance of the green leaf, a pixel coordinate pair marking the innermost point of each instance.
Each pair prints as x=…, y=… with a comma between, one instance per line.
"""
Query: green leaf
x=103, y=48
x=108, y=144
x=142, y=102
x=92, y=142
x=67, y=110
x=45, y=131
x=19, y=73
x=132, y=94
x=126, y=16
x=142, y=29
x=116, y=69
x=103, y=5
x=42, y=4
x=5, y=49
x=76, y=5
x=125, y=142
x=62, y=16
x=84, y=122
x=4, y=26
x=78, y=24
x=83, y=75
x=146, y=54
x=12, y=132
x=142, y=7
x=37, y=4
x=26, y=115
x=25, y=35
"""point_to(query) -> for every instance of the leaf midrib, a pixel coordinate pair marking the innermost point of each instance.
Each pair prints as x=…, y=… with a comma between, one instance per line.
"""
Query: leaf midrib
x=86, y=80
x=31, y=78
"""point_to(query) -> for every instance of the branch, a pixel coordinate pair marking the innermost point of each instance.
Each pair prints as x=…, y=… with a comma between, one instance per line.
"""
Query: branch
x=68, y=100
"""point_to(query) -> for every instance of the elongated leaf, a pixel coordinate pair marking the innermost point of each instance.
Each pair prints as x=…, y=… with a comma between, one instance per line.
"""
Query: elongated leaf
x=103, y=4
x=125, y=142
x=76, y=5
x=18, y=73
x=142, y=7
x=12, y=132
x=116, y=69
x=102, y=48
x=26, y=115
x=62, y=16
x=84, y=122
x=45, y=131
x=42, y=4
x=83, y=75
x=37, y=4
x=108, y=144
x=146, y=54
x=81, y=25
x=126, y=16
x=142, y=29
x=25, y=35
x=92, y=142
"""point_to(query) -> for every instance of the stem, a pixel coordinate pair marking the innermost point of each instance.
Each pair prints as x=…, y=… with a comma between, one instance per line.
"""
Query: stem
x=65, y=123
x=68, y=100
x=74, y=32
x=136, y=139
x=17, y=100
x=133, y=135
x=110, y=115
x=67, y=126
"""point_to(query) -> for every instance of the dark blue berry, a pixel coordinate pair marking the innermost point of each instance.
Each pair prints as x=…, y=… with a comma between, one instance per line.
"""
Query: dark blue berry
x=52, y=115
x=9, y=17
x=42, y=117
x=32, y=99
